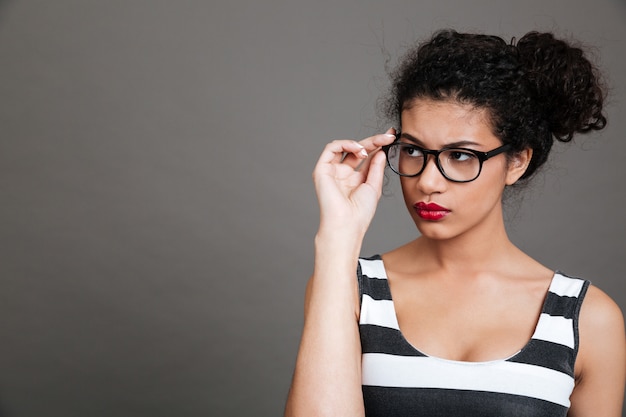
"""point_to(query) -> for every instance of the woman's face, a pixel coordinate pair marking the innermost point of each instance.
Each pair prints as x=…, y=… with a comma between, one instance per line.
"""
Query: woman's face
x=443, y=209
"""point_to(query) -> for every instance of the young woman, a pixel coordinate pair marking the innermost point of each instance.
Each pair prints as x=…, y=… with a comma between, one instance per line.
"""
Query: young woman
x=458, y=322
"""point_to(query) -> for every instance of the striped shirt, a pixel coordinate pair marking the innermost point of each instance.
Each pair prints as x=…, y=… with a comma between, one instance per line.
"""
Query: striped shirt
x=399, y=380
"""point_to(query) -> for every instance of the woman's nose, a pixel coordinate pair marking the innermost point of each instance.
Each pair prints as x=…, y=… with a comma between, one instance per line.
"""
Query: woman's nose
x=431, y=180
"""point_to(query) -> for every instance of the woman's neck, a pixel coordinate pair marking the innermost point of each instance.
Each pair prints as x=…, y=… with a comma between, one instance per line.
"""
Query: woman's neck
x=483, y=249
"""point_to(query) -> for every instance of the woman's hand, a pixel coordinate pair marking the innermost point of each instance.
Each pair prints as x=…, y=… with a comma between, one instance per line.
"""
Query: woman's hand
x=348, y=180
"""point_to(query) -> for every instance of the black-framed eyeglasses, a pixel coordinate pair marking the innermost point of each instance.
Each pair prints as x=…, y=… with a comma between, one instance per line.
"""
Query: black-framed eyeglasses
x=455, y=164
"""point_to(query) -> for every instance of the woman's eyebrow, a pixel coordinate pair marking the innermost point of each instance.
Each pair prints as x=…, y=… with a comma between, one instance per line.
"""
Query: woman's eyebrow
x=458, y=144
x=411, y=138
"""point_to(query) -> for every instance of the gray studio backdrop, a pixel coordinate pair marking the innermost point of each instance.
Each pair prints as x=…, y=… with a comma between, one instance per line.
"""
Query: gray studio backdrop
x=157, y=213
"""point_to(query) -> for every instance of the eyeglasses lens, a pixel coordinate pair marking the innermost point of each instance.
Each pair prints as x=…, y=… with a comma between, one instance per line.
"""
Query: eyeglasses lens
x=456, y=164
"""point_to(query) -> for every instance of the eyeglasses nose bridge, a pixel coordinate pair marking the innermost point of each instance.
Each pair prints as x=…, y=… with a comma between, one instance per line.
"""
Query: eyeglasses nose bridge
x=435, y=159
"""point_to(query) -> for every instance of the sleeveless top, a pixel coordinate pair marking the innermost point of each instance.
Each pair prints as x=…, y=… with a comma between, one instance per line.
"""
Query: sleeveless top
x=399, y=380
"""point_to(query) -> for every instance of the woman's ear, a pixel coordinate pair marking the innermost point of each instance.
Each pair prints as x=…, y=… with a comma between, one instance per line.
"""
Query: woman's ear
x=517, y=165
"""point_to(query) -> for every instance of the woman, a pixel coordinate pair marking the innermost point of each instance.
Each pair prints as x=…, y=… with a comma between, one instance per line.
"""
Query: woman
x=458, y=321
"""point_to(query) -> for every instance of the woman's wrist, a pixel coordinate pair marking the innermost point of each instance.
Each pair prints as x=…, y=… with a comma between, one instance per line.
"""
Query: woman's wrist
x=337, y=253
x=340, y=241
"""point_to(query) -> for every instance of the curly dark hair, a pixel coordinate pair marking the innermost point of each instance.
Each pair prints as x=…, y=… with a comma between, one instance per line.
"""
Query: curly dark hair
x=536, y=90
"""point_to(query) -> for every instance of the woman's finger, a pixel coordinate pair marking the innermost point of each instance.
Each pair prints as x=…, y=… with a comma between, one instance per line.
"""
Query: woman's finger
x=355, y=154
x=376, y=171
x=363, y=165
x=378, y=141
x=374, y=142
x=338, y=150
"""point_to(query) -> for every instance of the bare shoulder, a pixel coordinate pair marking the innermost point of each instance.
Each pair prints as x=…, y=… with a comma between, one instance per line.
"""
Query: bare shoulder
x=601, y=328
x=600, y=313
x=601, y=363
x=404, y=258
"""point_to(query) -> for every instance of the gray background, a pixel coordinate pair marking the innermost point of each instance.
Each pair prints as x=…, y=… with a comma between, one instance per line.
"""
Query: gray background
x=157, y=213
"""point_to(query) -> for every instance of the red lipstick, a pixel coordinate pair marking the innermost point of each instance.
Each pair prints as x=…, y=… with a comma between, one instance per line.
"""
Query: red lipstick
x=430, y=211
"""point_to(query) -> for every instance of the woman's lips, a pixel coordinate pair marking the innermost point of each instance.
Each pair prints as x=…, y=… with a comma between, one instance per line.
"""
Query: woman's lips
x=430, y=211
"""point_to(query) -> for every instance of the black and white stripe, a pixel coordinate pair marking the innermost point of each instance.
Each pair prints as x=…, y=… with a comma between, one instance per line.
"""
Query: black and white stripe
x=398, y=379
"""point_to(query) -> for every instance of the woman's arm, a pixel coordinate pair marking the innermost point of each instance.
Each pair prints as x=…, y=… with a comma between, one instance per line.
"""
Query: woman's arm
x=327, y=378
x=601, y=370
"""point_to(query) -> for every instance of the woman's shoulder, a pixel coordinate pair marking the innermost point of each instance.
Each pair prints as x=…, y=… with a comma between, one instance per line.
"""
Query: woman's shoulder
x=600, y=313
x=601, y=329
x=401, y=257
x=601, y=359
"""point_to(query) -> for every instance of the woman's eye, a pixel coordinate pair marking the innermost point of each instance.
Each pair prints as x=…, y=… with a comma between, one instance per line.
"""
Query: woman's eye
x=461, y=156
x=411, y=151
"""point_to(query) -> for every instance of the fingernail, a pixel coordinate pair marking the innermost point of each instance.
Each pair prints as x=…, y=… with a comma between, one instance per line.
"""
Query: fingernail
x=364, y=152
x=389, y=135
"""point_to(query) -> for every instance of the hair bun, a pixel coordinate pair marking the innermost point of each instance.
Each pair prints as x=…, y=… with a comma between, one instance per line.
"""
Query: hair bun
x=565, y=84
